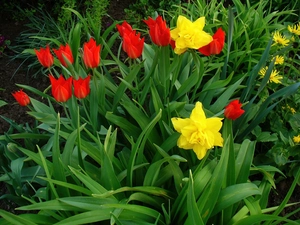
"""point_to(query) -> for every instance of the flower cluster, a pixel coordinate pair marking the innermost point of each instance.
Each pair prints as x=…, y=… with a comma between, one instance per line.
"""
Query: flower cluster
x=274, y=77
x=91, y=55
x=186, y=35
x=62, y=89
x=132, y=44
x=295, y=29
x=283, y=40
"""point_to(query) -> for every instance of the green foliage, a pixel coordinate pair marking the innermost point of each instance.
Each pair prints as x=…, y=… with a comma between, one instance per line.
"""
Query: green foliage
x=4, y=44
x=54, y=25
x=96, y=10
x=142, y=9
x=65, y=16
x=112, y=157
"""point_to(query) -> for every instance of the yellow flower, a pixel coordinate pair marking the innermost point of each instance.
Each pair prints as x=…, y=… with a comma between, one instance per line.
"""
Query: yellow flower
x=296, y=139
x=292, y=39
x=278, y=59
x=274, y=77
x=295, y=29
x=189, y=34
x=198, y=132
x=292, y=110
x=280, y=39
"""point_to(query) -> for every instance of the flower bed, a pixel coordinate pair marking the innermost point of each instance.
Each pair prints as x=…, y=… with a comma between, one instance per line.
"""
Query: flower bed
x=175, y=139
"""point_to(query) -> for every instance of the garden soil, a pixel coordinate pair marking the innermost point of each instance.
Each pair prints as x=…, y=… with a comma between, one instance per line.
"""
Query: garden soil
x=11, y=29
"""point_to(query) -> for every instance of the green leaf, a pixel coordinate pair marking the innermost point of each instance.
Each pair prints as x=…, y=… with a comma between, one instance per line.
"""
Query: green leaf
x=243, y=160
x=91, y=184
x=2, y=103
x=88, y=203
x=49, y=205
x=223, y=99
x=193, y=211
x=77, y=188
x=254, y=219
x=209, y=197
x=14, y=219
x=233, y=194
x=139, y=146
x=58, y=169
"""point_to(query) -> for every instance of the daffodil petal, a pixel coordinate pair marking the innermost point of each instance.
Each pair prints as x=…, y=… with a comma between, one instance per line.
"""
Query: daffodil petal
x=179, y=123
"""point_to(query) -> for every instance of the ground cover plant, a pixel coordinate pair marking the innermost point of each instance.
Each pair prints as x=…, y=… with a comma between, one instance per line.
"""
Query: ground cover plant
x=167, y=136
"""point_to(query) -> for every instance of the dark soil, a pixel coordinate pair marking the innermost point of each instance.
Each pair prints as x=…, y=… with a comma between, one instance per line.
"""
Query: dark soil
x=11, y=29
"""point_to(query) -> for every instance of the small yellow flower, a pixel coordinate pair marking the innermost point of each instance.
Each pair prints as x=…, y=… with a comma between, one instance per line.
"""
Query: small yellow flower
x=278, y=59
x=274, y=77
x=198, y=132
x=296, y=139
x=189, y=34
x=280, y=39
x=292, y=110
x=295, y=29
x=292, y=39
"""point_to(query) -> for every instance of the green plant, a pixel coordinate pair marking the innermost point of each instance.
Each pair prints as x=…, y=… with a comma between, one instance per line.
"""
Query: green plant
x=149, y=8
x=113, y=156
x=4, y=44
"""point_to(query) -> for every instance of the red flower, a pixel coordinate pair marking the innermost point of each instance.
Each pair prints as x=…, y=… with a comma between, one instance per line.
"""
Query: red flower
x=21, y=97
x=82, y=87
x=133, y=44
x=64, y=52
x=124, y=28
x=172, y=43
x=44, y=56
x=61, y=88
x=91, y=54
x=233, y=110
x=159, y=32
x=216, y=46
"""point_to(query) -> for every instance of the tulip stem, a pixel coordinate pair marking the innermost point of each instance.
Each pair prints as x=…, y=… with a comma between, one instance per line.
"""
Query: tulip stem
x=80, y=161
x=66, y=111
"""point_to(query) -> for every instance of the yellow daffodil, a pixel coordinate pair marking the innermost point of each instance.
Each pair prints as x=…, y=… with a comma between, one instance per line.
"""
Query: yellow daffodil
x=278, y=59
x=295, y=29
x=274, y=77
x=280, y=39
x=198, y=132
x=296, y=139
x=189, y=34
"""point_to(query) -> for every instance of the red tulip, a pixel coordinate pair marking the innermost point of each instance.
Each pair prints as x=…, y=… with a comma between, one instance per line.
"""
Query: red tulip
x=133, y=44
x=233, y=110
x=172, y=43
x=216, y=46
x=91, y=54
x=64, y=52
x=44, y=56
x=124, y=28
x=159, y=32
x=21, y=97
x=61, y=88
x=82, y=87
